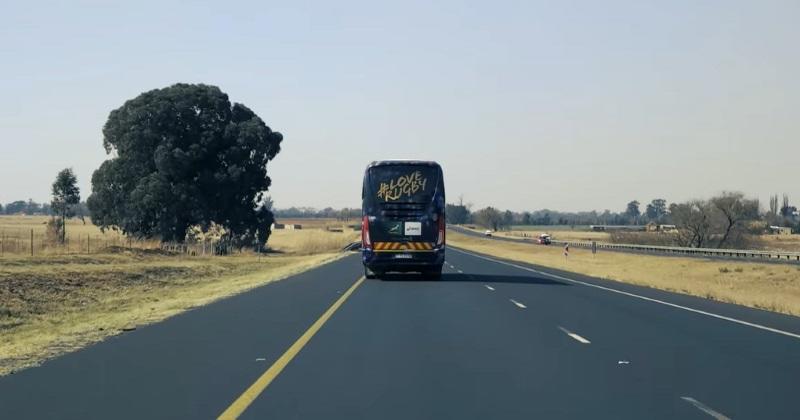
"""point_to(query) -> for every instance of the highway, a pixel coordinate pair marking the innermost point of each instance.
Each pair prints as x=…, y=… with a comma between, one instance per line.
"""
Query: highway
x=491, y=339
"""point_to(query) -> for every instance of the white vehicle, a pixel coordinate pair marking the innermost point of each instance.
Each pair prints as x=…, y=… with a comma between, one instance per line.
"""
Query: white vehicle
x=487, y=233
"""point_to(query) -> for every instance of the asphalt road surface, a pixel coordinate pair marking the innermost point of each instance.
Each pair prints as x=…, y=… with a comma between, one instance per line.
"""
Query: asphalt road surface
x=491, y=339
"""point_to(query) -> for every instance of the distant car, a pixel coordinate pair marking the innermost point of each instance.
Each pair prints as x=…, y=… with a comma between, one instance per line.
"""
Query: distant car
x=487, y=233
x=544, y=239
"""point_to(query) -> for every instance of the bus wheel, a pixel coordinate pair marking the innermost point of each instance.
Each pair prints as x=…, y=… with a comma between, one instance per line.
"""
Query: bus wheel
x=434, y=274
x=369, y=273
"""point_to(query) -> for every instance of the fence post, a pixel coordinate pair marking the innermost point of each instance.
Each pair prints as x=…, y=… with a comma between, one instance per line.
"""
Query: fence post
x=31, y=242
x=88, y=244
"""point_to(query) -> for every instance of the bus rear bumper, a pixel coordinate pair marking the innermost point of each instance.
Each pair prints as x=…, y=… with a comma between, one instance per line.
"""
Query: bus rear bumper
x=402, y=261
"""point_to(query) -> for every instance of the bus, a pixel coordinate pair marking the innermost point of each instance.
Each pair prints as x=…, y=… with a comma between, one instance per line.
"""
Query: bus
x=403, y=219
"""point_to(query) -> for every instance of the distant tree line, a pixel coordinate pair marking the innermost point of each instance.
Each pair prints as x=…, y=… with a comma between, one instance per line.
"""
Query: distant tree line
x=33, y=208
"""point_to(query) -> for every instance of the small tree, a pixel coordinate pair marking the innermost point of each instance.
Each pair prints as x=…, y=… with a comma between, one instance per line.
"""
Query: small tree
x=693, y=220
x=731, y=213
x=489, y=217
x=632, y=211
x=508, y=219
x=65, y=195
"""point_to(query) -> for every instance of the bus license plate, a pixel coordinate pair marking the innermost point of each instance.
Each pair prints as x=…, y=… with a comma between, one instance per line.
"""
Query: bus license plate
x=402, y=256
x=413, y=228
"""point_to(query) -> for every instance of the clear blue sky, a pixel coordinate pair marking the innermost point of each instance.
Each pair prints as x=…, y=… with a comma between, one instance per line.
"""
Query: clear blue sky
x=566, y=105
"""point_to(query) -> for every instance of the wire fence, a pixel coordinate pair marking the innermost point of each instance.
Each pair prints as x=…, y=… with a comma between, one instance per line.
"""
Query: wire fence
x=21, y=242
x=30, y=242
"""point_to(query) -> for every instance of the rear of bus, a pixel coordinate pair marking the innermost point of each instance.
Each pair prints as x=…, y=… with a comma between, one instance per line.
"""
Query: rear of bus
x=403, y=220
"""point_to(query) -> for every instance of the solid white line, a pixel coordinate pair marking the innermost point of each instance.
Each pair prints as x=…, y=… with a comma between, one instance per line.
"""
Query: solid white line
x=518, y=304
x=574, y=336
x=608, y=289
x=706, y=409
x=489, y=287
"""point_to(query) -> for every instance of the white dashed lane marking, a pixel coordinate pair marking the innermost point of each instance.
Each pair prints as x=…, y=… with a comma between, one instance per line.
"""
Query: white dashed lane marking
x=706, y=409
x=519, y=305
x=574, y=336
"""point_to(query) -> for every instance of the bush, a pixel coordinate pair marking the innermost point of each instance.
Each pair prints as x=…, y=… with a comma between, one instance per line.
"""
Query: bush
x=54, y=231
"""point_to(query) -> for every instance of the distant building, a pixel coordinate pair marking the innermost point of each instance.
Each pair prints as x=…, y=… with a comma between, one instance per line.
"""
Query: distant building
x=276, y=226
x=667, y=228
x=780, y=230
x=294, y=227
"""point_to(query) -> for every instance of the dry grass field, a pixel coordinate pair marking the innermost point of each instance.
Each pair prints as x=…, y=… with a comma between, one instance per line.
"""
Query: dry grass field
x=15, y=237
x=774, y=287
x=319, y=223
x=52, y=303
x=781, y=242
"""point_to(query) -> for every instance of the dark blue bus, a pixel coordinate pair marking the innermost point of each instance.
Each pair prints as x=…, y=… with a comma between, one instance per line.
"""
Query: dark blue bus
x=403, y=221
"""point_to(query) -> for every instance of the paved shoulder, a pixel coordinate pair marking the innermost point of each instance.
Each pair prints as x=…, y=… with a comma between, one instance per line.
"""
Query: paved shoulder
x=189, y=366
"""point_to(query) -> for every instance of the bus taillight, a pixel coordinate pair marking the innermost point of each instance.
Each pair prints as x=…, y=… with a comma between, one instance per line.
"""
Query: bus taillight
x=440, y=239
x=365, y=242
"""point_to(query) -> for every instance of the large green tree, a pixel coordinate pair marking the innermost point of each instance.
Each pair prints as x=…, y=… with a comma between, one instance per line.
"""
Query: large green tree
x=66, y=195
x=183, y=156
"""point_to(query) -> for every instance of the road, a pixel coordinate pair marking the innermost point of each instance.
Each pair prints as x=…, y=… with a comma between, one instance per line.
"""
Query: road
x=491, y=339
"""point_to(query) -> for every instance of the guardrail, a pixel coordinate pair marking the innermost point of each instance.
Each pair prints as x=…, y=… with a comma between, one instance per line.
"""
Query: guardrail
x=675, y=250
x=707, y=252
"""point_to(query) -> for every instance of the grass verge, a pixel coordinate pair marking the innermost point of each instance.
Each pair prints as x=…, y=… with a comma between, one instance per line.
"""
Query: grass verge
x=773, y=287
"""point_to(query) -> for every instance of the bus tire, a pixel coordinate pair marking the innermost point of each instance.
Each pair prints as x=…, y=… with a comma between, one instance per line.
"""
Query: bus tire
x=434, y=274
x=369, y=273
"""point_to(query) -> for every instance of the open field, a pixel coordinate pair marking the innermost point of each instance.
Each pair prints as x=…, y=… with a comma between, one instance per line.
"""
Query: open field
x=781, y=242
x=312, y=241
x=15, y=237
x=765, y=286
x=318, y=223
x=51, y=304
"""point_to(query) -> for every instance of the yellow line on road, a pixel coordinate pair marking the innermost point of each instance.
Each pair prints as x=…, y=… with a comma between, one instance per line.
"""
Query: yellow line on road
x=237, y=408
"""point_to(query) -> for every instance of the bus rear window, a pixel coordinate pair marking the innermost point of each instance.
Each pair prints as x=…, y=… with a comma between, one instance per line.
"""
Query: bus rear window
x=404, y=184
